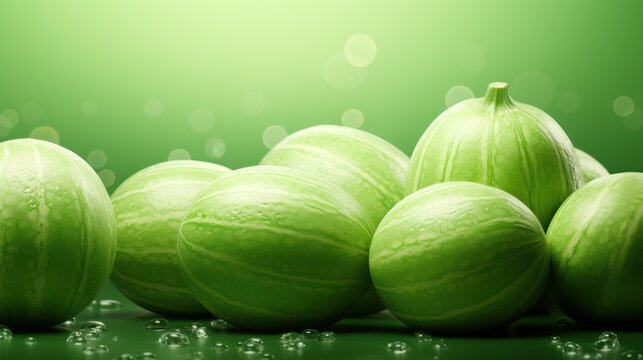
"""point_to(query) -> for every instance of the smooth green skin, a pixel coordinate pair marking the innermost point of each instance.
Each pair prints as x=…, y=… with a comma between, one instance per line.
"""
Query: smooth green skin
x=273, y=248
x=596, y=247
x=367, y=167
x=502, y=143
x=57, y=234
x=459, y=257
x=590, y=168
x=149, y=207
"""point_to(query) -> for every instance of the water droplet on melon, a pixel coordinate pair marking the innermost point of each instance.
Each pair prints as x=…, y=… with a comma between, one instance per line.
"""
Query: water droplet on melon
x=157, y=324
x=174, y=338
x=327, y=336
x=397, y=347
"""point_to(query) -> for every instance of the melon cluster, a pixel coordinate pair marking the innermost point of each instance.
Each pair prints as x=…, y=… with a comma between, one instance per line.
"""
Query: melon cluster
x=466, y=235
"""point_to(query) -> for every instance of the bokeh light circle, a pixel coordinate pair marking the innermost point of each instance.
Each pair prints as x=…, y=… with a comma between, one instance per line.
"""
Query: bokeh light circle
x=5, y=125
x=337, y=72
x=153, y=108
x=456, y=94
x=253, y=103
x=201, y=120
x=12, y=115
x=96, y=158
x=534, y=88
x=179, y=154
x=215, y=148
x=273, y=134
x=623, y=106
x=634, y=121
x=569, y=101
x=352, y=118
x=90, y=107
x=46, y=133
x=360, y=50
x=107, y=177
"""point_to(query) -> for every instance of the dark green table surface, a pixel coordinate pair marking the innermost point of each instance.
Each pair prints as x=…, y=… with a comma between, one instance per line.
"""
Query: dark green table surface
x=364, y=338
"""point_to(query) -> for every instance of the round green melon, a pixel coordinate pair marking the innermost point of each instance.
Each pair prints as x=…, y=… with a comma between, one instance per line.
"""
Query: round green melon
x=596, y=247
x=499, y=142
x=57, y=234
x=367, y=167
x=590, y=168
x=149, y=207
x=459, y=257
x=271, y=248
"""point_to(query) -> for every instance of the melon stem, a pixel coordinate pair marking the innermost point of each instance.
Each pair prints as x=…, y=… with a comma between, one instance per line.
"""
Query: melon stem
x=497, y=95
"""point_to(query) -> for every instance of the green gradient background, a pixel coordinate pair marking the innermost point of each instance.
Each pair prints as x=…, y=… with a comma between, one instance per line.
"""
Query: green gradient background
x=208, y=54
x=57, y=55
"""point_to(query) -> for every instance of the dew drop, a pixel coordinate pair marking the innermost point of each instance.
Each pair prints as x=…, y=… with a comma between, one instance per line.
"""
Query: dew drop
x=291, y=336
x=606, y=344
x=109, y=305
x=157, y=324
x=327, y=336
x=397, y=347
x=5, y=334
x=571, y=348
x=555, y=340
x=218, y=324
x=146, y=356
x=221, y=347
x=631, y=355
x=310, y=334
x=267, y=356
x=91, y=334
x=252, y=346
x=77, y=338
x=93, y=305
x=89, y=350
x=174, y=338
x=69, y=323
x=91, y=324
x=30, y=341
x=198, y=355
x=200, y=332
x=102, y=349
x=422, y=337
x=608, y=335
x=441, y=345
x=126, y=356
x=191, y=328
x=115, y=338
x=289, y=345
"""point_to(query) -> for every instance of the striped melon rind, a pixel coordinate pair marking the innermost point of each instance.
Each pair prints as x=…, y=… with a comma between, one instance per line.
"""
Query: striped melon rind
x=149, y=207
x=590, y=168
x=270, y=247
x=57, y=234
x=459, y=257
x=367, y=167
x=502, y=143
x=596, y=246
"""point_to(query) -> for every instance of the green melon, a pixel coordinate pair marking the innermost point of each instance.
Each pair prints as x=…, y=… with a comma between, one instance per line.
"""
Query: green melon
x=459, y=257
x=367, y=167
x=57, y=234
x=596, y=247
x=502, y=143
x=590, y=167
x=149, y=207
x=272, y=248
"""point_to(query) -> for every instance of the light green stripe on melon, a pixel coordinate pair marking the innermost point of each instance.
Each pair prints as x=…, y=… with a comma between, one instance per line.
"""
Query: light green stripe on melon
x=531, y=175
x=146, y=190
x=40, y=260
x=290, y=278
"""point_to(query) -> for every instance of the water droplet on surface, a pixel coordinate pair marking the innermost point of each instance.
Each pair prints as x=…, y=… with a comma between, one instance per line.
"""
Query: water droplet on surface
x=91, y=324
x=76, y=338
x=310, y=334
x=174, y=338
x=571, y=348
x=89, y=350
x=198, y=355
x=221, y=346
x=441, y=345
x=126, y=356
x=93, y=305
x=109, y=305
x=91, y=334
x=200, y=332
x=267, y=356
x=30, y=341
x=191, y=328
x=608, y=335
x=555, y=340
x=397, y=347
x=300, y=344
x=157, y=324
x=102, y=348
x=115, y=338
x=290, y=336
x=631, y=355
x=69, y=322
x=327, y=336
x=422, y=337
x=218, y=324
x=289, y=345
x=606, y=344
x=146, y=356
x=252, y=346
x=5, y=334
